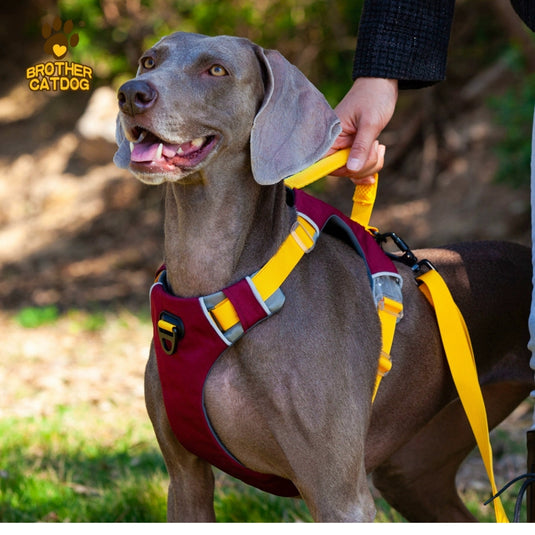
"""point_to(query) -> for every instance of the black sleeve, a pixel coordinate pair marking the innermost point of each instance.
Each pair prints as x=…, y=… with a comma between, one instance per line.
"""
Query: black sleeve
x=526, y=11
x=405, y=40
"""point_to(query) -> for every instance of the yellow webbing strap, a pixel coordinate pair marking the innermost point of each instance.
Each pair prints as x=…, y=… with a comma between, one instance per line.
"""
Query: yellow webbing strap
x=389, y=311
x=300, y=240
x=318, y=170
x=460, y=356
x=363, y=201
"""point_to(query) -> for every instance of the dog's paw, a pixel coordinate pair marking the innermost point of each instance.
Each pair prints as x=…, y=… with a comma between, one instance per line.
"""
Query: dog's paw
x=59, y=37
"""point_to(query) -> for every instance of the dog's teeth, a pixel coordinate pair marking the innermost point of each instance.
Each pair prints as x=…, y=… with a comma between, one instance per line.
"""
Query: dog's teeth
x=198, y=142
x=159, y=151
x=180, y=151
x=141, y=137
x=131, y=146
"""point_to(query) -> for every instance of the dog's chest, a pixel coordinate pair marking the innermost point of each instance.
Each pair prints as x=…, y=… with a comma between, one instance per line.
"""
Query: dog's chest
x=236, y=414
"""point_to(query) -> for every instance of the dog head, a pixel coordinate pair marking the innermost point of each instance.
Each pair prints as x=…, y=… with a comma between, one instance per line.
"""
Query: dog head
x=200, y=101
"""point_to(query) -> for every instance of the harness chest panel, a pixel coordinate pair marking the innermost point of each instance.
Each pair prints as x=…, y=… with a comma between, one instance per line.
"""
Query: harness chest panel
x=184, y=361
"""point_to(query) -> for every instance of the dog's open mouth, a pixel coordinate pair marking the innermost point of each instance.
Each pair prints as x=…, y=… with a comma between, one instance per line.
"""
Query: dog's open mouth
x=149, y=150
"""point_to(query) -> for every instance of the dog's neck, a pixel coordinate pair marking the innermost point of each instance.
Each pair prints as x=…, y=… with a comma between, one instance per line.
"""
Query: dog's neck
x=214, y=237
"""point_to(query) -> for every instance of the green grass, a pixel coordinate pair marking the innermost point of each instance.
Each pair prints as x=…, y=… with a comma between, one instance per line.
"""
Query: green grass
x=237, y=502
x=55, y=469
x=69, y=467
x=32, y=317
x=51, y=470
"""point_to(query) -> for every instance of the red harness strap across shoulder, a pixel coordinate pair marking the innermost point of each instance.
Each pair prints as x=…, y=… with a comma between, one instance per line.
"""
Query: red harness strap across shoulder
x=188, y=342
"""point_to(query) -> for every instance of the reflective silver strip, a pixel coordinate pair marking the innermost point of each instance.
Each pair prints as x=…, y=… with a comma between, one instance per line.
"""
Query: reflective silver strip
x=213, y=323
x=258, y=296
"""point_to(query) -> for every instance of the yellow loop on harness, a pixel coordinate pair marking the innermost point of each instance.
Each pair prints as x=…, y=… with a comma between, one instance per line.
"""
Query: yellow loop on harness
x=363, y=201
x=460, y=356
x=364, y=196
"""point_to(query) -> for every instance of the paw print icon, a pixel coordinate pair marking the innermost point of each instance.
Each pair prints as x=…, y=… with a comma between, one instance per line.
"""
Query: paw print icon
x=59, y=37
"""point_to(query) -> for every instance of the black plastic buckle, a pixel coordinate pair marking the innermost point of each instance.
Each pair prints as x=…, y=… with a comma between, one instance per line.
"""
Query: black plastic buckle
x=170, y=331
x=419, y=267
x=407, y=257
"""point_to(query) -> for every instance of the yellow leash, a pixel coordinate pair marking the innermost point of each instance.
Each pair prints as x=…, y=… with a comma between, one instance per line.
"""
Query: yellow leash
x=455, y=336
x=460, y=356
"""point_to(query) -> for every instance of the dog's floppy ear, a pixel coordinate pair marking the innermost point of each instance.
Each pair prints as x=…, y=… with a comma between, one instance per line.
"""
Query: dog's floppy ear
x=122, y=156
x=294, y=127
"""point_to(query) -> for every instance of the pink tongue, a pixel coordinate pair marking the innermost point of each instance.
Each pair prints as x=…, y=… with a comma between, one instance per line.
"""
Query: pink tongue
x=146, y=152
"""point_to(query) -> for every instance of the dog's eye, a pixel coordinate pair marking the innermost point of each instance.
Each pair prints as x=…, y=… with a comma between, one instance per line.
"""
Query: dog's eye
x=217, y=70
x=148, y=63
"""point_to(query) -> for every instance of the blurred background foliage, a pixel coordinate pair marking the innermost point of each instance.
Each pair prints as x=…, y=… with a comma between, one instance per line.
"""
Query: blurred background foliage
x=316, y=35
x=319, y=36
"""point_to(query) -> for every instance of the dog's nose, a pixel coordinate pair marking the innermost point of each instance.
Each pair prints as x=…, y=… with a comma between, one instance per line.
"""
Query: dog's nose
x=136, y=97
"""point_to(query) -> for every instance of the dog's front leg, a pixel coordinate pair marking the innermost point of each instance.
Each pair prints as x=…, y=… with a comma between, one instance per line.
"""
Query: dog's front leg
x=191, y=489
x=340, y=498
x=191, y=480
x=328, y=467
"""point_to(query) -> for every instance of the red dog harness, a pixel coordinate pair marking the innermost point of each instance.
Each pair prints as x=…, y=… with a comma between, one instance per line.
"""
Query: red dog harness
x=188, y=341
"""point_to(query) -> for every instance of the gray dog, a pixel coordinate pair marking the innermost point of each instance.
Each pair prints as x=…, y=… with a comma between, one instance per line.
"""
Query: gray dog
x=221, y=122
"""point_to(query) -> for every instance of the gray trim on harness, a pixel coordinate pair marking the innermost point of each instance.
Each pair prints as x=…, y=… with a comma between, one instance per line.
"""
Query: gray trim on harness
x=271, y=305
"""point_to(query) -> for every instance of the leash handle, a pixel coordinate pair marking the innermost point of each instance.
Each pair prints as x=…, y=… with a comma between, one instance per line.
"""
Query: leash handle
x=318, y=170
x=364, y=196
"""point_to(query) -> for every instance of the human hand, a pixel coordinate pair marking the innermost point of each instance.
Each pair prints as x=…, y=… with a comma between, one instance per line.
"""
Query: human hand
x=364, y=112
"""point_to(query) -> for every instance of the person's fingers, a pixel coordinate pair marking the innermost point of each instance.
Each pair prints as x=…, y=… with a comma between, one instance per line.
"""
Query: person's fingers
x=364, y=112
x=372, y=165
x=375, y=160
x=343, y=141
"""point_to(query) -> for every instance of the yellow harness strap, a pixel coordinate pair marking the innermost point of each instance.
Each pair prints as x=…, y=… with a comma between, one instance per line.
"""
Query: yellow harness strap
x=389, y=311
x=267, y=280
x=301, y=240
